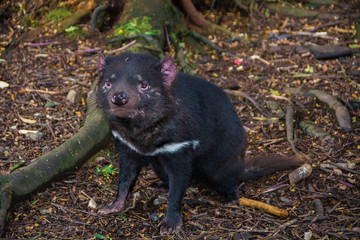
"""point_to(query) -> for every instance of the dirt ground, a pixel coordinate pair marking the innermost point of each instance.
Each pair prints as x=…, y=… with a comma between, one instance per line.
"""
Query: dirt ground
x=40, y=78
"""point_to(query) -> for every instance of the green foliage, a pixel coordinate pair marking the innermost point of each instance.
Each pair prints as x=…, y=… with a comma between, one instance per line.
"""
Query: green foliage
x=99, y=236
x=274, y=92
x=57, y=15
x=122, y=217
x=74, y=31
x=34, y=202
x=139, y=25
x=106, y=170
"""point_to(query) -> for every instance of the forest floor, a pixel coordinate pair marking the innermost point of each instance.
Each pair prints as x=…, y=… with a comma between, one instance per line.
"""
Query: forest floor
x=35, y=117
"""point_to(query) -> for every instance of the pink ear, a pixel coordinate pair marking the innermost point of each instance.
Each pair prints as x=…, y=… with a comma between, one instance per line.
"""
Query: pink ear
x=168, y=69
x=101, y=61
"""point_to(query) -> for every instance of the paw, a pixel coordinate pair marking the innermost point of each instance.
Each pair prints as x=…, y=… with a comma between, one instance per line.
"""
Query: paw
x=114, y=208
x=171, y=225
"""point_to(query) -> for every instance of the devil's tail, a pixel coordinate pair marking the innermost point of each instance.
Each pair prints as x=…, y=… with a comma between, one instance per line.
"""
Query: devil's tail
x=267, y=164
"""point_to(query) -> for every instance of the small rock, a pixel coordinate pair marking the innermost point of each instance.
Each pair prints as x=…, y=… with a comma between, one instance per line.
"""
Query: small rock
x=192, y=189
x=307, y=235
x=154, y=217
x=159, y=200
x=36, y=136
x=92, y=204
x=73, y=97
x=37, y=115
x=2, y=149
x=284, y=199
x=45, y=211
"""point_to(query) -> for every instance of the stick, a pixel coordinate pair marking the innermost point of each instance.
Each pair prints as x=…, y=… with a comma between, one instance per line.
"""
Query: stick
x=264, y=206
x=290, y=127
x=123, y=48
x=244, y=95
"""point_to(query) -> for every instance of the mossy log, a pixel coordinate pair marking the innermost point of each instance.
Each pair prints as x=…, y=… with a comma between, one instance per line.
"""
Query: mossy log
x=54, y=164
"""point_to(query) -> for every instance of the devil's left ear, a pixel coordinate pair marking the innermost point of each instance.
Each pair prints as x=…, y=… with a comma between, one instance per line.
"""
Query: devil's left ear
x=101, y=61
x=168, y=70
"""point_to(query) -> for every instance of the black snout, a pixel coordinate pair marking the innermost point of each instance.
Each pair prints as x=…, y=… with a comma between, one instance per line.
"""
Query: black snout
x=119, y=98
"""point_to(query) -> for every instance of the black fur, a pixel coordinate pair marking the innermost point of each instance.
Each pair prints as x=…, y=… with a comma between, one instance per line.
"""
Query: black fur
x=150, y=106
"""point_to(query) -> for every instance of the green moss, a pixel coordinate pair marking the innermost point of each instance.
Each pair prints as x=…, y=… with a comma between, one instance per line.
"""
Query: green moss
x=57, y=15
x=139, y=25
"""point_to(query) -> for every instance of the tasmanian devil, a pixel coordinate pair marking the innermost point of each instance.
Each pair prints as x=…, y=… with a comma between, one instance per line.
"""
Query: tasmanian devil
x=180, y=125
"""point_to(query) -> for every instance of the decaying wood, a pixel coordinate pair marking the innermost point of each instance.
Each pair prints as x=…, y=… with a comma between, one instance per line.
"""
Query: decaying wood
x=290, y=127
x=313, y=130
x=300, y=173
x=341, y=112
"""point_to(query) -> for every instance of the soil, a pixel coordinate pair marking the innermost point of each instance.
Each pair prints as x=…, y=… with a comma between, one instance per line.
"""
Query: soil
x=40, y=78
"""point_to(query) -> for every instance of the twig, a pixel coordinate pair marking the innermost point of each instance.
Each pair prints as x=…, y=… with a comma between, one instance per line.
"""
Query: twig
x=272, y=141
x=273, y=188
x=290, y=127
x=285, y=225
x=244, y=95
x=167, y=38
x=48, y=124
x=319, y=209
x=41, y=44
x=241, y=6
x=344, y=168
x=124, y=47
x=88, y=50
x=256, y=57
x=325, y=25
x=41, y=91
x=207, y=41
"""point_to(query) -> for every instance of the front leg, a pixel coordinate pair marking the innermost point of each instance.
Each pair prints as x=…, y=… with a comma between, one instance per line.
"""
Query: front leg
x=178, y=169
x=130, y=167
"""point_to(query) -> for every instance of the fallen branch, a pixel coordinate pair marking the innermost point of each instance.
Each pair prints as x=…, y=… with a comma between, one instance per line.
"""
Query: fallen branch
x=264, y=206
x=289, y=122
x=340, y=166
x=341, y=112
x=285, y=225
x=319, y=209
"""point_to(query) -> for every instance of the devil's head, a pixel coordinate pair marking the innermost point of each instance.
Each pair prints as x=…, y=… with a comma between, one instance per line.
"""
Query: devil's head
x=135, y=87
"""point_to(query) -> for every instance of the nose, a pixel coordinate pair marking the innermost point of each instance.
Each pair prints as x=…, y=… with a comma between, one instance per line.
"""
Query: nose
x=119, y=98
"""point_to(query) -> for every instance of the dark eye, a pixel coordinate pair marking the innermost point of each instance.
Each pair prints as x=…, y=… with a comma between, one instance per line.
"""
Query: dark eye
x=107, y=84
x=144, y=86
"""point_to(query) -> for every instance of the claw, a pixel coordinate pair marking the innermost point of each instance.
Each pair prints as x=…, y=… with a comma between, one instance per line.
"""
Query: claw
x=166, y=229
x=114, y=208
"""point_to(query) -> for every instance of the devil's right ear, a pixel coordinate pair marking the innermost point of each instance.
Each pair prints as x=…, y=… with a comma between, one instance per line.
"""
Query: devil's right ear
x=101, y=62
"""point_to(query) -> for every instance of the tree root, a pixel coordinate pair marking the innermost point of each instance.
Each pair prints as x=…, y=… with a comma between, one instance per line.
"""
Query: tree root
x=54, y=164
x=5, y=202
x=341, y=112
x=197, y=18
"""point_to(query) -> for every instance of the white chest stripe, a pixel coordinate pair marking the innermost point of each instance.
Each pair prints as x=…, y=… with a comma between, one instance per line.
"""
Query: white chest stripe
x=167, y=148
